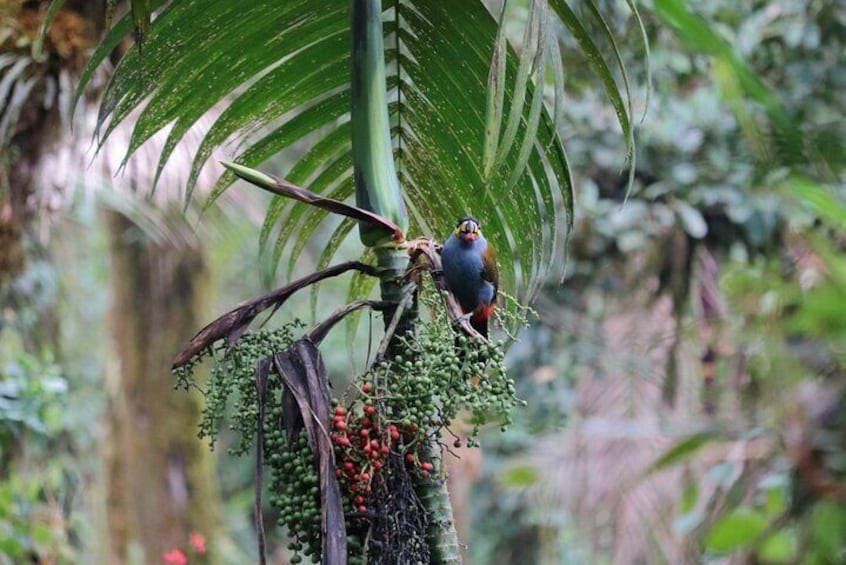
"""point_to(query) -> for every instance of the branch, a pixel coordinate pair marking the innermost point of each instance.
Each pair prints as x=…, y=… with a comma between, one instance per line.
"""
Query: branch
x=235, y=322
x=319, y=331
x=284, y=188
x=407, y=295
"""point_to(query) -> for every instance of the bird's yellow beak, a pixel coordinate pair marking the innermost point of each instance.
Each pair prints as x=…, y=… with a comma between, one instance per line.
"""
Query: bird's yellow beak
x=468, y=230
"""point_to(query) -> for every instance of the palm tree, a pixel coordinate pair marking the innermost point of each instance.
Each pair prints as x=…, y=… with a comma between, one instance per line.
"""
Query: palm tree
x=429, y=116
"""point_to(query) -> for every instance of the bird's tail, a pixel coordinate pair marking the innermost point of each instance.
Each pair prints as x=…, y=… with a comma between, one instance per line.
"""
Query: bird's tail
x=480, y=325
x=480, y=317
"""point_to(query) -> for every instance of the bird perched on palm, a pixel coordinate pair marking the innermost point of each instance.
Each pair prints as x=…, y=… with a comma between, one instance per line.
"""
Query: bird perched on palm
x=471, y=273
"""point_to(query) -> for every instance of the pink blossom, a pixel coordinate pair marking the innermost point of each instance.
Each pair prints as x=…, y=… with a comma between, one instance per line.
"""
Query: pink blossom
x=175, y=557
x=198, y=542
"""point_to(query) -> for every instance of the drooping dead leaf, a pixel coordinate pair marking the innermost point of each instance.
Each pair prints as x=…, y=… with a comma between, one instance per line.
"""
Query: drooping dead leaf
x=235, y=322
x=305, y=379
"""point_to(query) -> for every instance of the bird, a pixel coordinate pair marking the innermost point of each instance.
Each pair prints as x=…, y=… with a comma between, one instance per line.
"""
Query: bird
x=471, y=273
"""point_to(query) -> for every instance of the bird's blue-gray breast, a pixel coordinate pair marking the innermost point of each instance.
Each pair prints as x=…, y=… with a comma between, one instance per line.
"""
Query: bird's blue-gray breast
x=463, y=266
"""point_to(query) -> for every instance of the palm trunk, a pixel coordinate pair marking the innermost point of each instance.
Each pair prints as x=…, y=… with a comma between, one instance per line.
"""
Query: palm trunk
x=378, y=190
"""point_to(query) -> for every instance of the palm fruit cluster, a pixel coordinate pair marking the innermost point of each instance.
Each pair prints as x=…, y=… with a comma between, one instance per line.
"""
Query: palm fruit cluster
x=233, y=374
x=295, y=490
x=294, y=482
x=442, y=373
x=402, y=402
x=361, y=447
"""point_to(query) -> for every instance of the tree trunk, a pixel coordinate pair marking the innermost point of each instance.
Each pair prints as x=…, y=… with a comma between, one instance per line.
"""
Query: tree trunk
x=160, y=476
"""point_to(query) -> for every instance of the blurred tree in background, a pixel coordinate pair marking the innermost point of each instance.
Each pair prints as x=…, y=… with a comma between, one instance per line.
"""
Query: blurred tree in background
x=684, y=385
x=700, y=313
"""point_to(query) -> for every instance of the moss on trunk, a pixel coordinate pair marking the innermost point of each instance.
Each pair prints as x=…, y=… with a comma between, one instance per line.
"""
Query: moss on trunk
x=160, y=475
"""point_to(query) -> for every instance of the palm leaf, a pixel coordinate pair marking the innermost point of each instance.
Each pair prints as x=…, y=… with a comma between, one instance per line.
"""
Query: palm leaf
x=603, y=70
x=278, y=73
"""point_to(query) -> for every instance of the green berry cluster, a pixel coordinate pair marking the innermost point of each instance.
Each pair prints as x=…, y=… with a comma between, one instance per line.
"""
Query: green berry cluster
x=511, y=316
x=295, y=490
x=447, y=375
x=436, y=373
x=442, y=371
x=294, y=482
x=233, y=376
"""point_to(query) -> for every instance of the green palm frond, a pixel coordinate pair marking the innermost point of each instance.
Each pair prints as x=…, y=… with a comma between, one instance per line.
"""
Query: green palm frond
x=279, y=74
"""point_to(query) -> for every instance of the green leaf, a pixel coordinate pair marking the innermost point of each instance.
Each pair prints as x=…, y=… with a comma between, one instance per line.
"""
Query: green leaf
x=520, y=477
x=600, y=66
x=690, y=496
x=52, y=10
x=645, y=38
x=520, y=88
x=781, y=547
x=361, y=287
x=141, y=12
x=681, y=451
x=695, y=31
x=533, y=120
x=335, y=240
x=273, y=75
x=736, y=530
x=495, y=97
x=828, y=530
x=821, y=201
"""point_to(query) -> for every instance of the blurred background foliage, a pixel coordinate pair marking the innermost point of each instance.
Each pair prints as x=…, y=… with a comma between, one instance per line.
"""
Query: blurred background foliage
x=685, y=382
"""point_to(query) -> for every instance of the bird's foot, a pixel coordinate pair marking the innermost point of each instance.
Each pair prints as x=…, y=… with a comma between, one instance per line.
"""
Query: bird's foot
x=463, y=318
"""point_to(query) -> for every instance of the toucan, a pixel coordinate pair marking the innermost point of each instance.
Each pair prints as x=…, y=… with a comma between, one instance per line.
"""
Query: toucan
x=470, y=272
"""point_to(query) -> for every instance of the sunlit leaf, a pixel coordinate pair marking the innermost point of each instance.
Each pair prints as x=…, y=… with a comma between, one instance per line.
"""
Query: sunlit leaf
x=736, y=530
x=781, y=547
x=521, y=476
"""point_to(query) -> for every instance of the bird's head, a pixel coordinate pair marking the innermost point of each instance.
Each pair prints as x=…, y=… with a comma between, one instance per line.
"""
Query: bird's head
x=468, y=229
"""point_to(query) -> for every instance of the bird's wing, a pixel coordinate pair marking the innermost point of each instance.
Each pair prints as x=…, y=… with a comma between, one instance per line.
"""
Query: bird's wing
x=490, y=270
